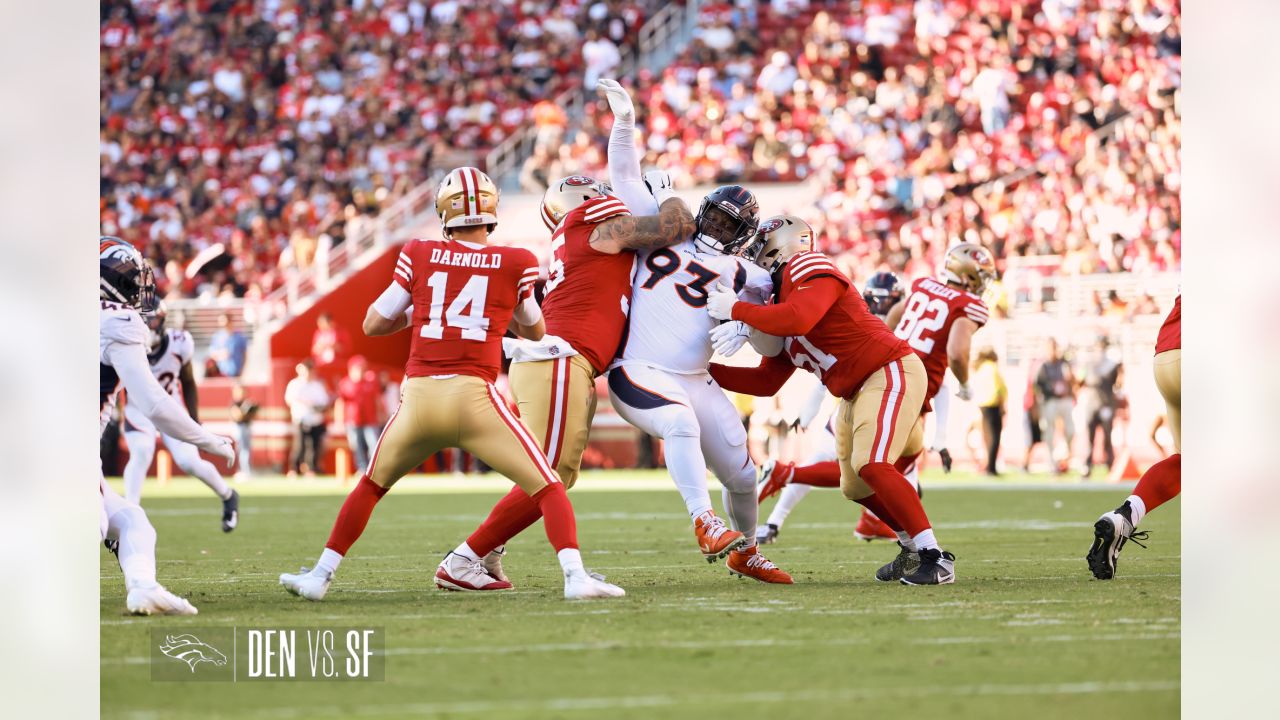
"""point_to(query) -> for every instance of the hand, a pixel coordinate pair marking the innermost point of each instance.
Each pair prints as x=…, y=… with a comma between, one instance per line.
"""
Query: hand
x=660, y=185
x=728, y=338
x=945, y=456
x=964, y=393
x=224, y=447
x=720, y=301
x=619, y=99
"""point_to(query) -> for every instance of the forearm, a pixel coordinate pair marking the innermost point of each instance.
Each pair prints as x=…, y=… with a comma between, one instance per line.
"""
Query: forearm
x=764, y=380
x=529, y=332
x=672, y=224
x=624, y=169
x=797, y=316
x=150, y=399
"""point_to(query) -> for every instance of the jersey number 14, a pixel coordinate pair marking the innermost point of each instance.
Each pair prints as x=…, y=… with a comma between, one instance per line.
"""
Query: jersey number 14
x=466, y=312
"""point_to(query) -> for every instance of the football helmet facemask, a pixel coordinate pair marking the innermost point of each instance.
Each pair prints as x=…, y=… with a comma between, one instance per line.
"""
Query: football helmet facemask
x=124, y=276
x=882, y=291
x=467, y=198
x=568, y=193
x=726, y=219
x=969, y=266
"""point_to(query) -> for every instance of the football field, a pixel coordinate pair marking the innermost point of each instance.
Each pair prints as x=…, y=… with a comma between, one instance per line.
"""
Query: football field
x=1024, y=632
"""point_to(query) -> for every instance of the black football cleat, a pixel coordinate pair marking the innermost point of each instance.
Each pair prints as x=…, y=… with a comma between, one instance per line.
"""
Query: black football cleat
x=231, y=512
x=906, y=562
x=937, y=567
x=1110, y=534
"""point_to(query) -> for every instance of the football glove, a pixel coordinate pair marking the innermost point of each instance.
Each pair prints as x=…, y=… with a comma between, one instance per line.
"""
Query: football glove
x=222, y=446
x=660, y=185
x=619, y=99
x=728, y=338
x=720, y=301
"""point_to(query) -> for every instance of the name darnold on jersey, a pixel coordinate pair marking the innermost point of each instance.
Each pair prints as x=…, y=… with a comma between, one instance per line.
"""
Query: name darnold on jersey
x=588, y=292
x=669, y=325
x=848, y=343
x=463, y=297
x=116, y=324
x=931, y=310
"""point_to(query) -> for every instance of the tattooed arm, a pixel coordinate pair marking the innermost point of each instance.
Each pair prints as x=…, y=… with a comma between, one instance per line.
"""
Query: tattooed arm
x=672, y=224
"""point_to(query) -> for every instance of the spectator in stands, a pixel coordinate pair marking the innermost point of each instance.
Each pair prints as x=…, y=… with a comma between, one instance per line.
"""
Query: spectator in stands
x=1098, y=383
x=360, y=394
x=990, y=393
x=600, y=56
x=243, y=412
x=1031, y=413
x=308, y=400
x=227, y=348
x=1055, y=388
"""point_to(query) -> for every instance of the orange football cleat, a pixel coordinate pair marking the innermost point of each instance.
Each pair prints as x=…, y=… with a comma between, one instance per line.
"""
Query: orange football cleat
x=773, y=477
x=870, y=528
x=750, y=563
x=715, y=539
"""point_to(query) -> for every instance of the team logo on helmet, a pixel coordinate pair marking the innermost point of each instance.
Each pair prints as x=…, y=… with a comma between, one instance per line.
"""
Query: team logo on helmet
x=770, y=225
x=577, y=180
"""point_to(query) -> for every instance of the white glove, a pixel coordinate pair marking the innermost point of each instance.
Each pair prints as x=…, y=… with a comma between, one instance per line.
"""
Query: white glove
x=964, y=393
x=728, y=338
x=222, y=446
x=660, y=185
x=720, y=302
x=619, y=99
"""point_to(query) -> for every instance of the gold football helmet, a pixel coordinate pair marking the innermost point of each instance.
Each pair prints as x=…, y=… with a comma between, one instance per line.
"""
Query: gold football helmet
x=970, y=266
x=568, y=193
x=466, y=198
x=776, y=240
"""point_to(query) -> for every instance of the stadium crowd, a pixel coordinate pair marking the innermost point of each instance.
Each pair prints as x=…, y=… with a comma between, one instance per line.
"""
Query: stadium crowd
x=1035, y=128
x=239, y=138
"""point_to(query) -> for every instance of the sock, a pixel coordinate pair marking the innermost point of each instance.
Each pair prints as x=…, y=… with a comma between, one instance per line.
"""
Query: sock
x=137, y=546
x=906, y=541
x=790, y=496
x=689, y=472
x=823, y=474
x=465, y=551
x=924, y=540
x=328, y=562
x=513, y=513
x=740, y=503
x=557, y=517
x=354, y=515
x=897, y=497
x=1158, y=485
x=571, y=561
x=205, y=472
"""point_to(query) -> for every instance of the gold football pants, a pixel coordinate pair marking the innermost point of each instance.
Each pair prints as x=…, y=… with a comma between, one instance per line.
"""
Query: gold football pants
x=460, y=411
x=877, y=424
x=1168, y=371
x=557, y=401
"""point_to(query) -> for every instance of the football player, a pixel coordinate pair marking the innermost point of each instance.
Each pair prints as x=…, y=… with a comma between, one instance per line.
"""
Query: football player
x=881, y=292
x=125, y=287
x=825, y=327
x=594, y=240
x=1163, y=481
x=170, y=353
x=458, y=295
x=660, y=382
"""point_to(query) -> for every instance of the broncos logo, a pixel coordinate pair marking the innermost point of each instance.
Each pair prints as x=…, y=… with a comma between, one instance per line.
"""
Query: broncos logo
x=191, y=650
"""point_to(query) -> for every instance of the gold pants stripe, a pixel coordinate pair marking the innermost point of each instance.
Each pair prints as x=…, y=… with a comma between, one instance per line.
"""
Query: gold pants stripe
x=880, y=421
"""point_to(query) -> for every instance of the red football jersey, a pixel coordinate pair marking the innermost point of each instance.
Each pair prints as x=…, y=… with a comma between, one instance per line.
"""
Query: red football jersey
x=1170, y=337
x=932, y=308
x=848, y=343
x=463, y=298
x=588, y=292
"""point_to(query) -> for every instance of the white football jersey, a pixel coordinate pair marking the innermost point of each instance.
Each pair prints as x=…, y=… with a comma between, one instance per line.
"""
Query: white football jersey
x=116, y=324
x=669, y=323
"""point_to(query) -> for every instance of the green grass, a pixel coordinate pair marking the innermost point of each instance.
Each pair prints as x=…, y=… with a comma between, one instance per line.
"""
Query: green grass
x=1025, y=631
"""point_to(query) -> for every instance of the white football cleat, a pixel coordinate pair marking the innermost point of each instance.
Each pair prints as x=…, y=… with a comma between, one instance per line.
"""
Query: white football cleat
x=589, y=586
x=457, y=572
x=493, y=563
x=155, y=600
x=308, y=584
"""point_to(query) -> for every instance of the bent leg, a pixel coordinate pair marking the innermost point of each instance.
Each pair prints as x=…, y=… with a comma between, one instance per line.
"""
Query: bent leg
x=187, y=456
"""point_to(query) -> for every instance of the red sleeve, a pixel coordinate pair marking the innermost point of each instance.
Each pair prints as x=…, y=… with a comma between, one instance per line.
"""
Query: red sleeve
x=802, y=310
x=404, y=268
x=763, y=380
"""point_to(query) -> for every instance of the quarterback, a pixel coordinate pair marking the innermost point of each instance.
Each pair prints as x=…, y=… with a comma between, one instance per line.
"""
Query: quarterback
x=125, y=287
x=169, y=353
x=826, y=328
x=458, y=295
